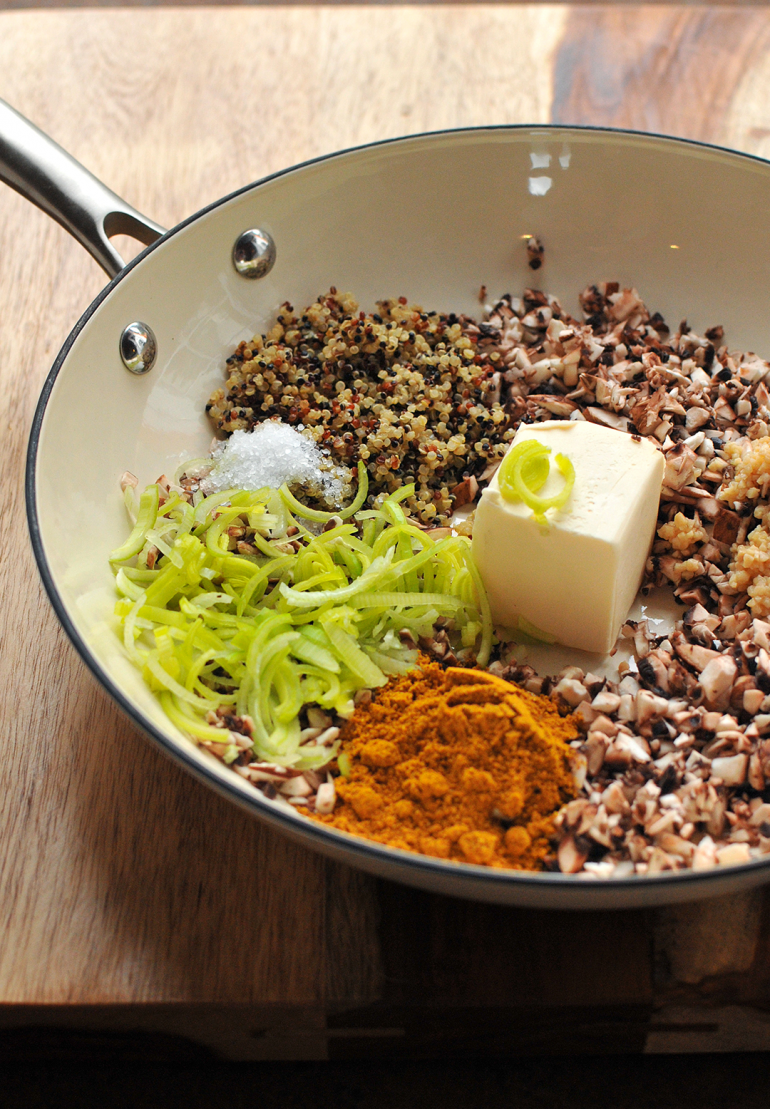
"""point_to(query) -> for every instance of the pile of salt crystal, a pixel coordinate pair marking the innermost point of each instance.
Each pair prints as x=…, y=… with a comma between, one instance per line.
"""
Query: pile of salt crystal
x=271, y=454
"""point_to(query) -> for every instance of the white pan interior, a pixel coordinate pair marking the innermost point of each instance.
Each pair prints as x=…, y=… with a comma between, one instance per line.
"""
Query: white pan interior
x=429, y=218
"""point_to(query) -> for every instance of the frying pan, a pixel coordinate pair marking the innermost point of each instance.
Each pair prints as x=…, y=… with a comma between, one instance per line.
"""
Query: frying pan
x=432, y=217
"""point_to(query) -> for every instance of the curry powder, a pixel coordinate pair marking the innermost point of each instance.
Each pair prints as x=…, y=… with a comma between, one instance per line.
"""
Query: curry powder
x=458, y=764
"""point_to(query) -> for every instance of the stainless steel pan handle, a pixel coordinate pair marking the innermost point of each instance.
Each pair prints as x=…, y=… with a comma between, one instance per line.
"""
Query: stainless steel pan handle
x=44, y=173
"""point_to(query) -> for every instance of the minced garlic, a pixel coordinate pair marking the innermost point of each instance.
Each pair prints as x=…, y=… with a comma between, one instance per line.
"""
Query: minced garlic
x=752, y=470
x=750, y=564
x=689, y=569
x=750, y=570
x=683, y=534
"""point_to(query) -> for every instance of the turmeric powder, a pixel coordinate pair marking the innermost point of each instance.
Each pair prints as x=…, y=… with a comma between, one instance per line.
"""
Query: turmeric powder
x=458, y=764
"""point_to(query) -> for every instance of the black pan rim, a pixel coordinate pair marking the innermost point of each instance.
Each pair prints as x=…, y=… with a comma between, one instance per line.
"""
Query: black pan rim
x=473, y=877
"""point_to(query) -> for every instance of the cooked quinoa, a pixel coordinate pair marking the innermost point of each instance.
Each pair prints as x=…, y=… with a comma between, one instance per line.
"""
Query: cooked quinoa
x=413, y=394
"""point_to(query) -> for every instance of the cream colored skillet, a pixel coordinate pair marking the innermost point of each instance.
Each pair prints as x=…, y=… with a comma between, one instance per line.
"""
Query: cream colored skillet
x=431, y=217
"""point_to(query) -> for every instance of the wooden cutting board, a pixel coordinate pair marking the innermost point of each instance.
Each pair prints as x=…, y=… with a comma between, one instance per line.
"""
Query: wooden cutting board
x=133, y=898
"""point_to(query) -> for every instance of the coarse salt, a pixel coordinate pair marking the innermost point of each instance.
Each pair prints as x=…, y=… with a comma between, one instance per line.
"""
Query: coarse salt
x=270, y=455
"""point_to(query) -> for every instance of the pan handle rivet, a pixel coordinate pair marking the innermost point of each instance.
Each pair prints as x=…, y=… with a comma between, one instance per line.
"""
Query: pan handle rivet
x=138, y=347
x=254, y=253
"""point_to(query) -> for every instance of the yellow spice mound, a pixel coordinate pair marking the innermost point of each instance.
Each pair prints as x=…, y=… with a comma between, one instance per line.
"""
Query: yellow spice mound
x=458, y=764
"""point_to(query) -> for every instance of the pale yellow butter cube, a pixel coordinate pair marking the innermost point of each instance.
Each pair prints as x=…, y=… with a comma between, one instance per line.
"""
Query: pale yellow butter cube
x=577, y=578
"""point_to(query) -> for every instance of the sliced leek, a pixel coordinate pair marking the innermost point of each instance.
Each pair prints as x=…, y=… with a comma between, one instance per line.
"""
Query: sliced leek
x=309, y=619
x=524, y=471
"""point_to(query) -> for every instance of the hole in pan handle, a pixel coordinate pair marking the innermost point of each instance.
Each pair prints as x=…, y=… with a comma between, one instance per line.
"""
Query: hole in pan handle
x=44, y=173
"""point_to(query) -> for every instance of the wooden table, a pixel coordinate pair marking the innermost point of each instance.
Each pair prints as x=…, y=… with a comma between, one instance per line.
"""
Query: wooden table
x=135, y=902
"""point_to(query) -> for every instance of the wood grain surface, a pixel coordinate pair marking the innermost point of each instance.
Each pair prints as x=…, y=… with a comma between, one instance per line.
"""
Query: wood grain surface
x=123, y=881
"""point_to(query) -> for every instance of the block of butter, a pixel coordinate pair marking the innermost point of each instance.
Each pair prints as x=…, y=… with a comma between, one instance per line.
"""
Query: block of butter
x=577, y=578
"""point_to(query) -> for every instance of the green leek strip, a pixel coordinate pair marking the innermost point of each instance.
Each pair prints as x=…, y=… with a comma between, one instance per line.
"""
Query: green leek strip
x=277, y=649
x=304, y=513
x=164, y=678
x=214, y=534
x=316, y=634
x=534, y=632
x=280, y=644
x=361, y=494
x=260, y=519
x=393, y=513
x=166, y=586
x=189, y=722
x=463, y=586
x=314, y=757
x=163, y=616
x=131, y=501
x=129, y=632
x=139, y=574
x=194, y=672
x=295, y=597
x=327, y=689
x=207, y=694
x=308, y=651
x=278, y=509
x=272, y=599
x=349, y=560
x=214, y=619
x=271, y=623
x=286, y=684
x=389, y=664
x=266, y=546
x=192, y=468
x=535, y=468
x=208, y=504
x=369, y=531
x=352, y=656
x=314, y=559
x=399, y=569
x=470, y=633
x=352, y=542
x=194, y=626
x=146, y=516
x=401, y=494
x=260, y=578
x=206, y=600
x=126, y=587
x=524, y=470
x=247, y=498
x=156, y=539
x=319, y=517
x=540, y=505
x=427, y=578
x=346, y=531
x=307, y=585
x=392, y=534
x=173, y=503
x=386, y=601
x=487, y=630
x=284, y=741
x=233, y=566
